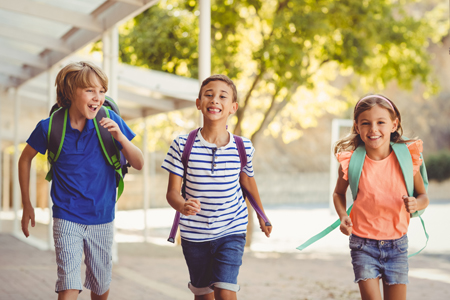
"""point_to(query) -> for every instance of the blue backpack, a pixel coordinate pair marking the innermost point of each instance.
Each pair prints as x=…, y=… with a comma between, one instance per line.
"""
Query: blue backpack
x=112, y=155
x=354, y=173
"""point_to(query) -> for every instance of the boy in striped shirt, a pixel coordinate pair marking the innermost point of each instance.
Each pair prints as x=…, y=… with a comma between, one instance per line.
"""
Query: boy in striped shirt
x=214, y=216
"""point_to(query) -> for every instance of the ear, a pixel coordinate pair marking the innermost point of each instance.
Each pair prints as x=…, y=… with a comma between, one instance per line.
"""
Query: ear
x=234, y=108
x=355, y=125
x=395, y=125
x=197, y=103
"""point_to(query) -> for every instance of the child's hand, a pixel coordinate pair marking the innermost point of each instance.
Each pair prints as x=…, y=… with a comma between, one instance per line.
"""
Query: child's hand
x=112, y=127
x=266, y=229
x=191, y=207
x=27, y=215
x=346, y=225
x=410, y=204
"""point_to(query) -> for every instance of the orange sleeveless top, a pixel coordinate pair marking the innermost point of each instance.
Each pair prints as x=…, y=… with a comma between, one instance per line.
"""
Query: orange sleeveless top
x=379, y=212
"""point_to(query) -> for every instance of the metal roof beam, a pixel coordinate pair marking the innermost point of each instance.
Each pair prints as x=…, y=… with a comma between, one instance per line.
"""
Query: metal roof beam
x=22, y=73
x=148, y=102
x=53, y=13
x=24, y=57
x=36, y=39
x=132, y=2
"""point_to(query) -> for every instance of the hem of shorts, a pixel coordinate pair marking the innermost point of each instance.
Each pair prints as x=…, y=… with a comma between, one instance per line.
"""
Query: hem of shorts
x=95, y=291
x=64, y=289
x=365, y=279
x=226, y=286
x=395, y=283
x=200, y=291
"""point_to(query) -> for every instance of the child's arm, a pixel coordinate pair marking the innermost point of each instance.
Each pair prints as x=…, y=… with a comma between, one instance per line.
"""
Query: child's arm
x=24, y=180
x=419, y=202
x=174, y=198
x=132, y=153
x=250, y=184
x=340, y=203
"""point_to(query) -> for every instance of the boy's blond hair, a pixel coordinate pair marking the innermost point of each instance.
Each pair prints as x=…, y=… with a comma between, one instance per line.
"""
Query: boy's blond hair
x=76, y=75
x=219, y=77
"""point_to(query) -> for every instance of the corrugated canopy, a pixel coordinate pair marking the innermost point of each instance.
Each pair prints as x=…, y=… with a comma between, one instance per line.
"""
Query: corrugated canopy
x=35, y=35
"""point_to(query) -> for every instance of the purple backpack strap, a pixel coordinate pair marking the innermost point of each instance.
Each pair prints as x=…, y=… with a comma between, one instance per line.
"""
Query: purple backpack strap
x=184, y=160
x=243, y=158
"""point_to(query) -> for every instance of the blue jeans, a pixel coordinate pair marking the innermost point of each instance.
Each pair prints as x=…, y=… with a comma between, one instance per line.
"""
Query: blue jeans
x=387, y=259
x=214, y=263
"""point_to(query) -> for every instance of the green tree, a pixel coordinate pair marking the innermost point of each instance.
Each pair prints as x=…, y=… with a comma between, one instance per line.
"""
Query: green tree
x=280, y=50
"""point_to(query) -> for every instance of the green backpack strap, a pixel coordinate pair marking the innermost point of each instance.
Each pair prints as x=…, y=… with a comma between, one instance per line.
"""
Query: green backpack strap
x=405, y=160
x=55, y=138
x=109, y=148
x=354, y=173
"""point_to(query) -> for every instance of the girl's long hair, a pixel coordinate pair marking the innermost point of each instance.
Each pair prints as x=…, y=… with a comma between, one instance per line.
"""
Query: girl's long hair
x=353, y=139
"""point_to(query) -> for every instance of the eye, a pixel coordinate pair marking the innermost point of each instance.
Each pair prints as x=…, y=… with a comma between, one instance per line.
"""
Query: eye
x=223, y=97
x=365, y=123
x=381, y=122
x=208, y=95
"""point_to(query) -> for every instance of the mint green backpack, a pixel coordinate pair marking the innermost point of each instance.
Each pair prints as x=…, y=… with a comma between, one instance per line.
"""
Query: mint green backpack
x=354, y=173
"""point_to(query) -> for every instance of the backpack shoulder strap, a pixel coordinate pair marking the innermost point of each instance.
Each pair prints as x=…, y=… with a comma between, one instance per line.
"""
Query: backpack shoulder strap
x=55, y=137
x=109, y=148
x=241, y=150
x=355, y=168
x=405, y=160
x=106, y=140
x=188, y=147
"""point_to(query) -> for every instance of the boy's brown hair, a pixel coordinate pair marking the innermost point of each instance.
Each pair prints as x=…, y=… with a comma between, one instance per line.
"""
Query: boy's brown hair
x=219, y=77
x=76, y=75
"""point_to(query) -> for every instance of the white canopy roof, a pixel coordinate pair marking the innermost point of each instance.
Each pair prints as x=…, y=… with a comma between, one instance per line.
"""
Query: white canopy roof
x=35, y=35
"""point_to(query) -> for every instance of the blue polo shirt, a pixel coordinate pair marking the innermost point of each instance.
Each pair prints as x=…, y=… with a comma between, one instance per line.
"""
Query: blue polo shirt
x=83, y=185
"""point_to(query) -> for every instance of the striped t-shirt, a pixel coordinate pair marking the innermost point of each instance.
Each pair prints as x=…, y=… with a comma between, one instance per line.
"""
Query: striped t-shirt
x=212, y=177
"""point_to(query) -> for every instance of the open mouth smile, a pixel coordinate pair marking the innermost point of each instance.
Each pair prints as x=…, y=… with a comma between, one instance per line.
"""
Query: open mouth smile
x=93, y=107
x=214, y=110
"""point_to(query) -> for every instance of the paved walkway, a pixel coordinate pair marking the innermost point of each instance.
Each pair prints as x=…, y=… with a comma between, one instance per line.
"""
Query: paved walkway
x=148, y=271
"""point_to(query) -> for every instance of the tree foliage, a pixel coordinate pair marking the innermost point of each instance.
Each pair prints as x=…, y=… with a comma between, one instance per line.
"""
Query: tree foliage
x=292, y=60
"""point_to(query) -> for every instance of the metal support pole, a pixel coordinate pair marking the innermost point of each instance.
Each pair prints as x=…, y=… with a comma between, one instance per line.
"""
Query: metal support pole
x=204, y=47
x=51, y=100
x=146, y=192
x=110, y=62
x=16, y=197
x=6, y=181
x=334, y=165
x=2, y=96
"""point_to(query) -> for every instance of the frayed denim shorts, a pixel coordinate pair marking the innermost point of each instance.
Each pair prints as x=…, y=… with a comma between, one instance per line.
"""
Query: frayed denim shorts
x=387, y=259
x=214, y=263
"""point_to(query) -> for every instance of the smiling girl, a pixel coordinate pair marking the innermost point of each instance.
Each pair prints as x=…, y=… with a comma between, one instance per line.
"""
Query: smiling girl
x=379, y=220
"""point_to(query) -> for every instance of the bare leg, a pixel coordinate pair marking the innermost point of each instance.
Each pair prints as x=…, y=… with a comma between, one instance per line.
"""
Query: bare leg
x=370, y=289
x=394, y=292
x=99, y=297
x=209, y=296
x=222, y=294
x=68, y=295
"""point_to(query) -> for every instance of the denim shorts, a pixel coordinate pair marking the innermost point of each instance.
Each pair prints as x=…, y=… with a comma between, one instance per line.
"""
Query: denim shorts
x=387, y=259
x=214, y=263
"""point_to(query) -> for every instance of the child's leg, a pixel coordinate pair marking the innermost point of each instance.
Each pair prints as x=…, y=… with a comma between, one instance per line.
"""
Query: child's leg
x=394, y=291
x=68, y=295
x=209, y=296
x=68, y=241
x=94, y=296
x=370, y=289
x=221, y=294
x=98, y=240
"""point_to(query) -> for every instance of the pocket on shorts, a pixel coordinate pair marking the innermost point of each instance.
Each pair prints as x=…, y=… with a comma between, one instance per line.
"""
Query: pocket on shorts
x=402, y=248
x=356, y=243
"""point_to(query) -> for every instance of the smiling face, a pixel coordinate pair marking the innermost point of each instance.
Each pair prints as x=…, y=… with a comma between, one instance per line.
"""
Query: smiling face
x=216, y=101
x=375, y=127
x=86, y=102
